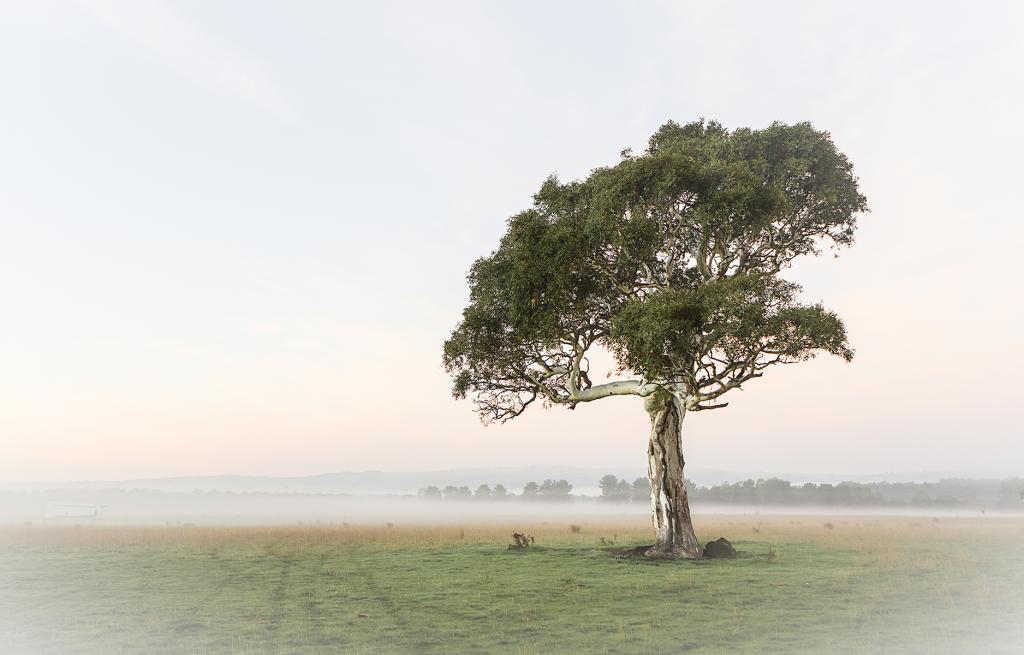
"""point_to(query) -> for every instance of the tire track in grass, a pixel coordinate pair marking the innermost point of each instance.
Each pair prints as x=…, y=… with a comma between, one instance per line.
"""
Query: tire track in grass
x=349, y=608
x=296, y=624
x=411, y=638
x=279, y=594
x=279, y=580
x=323, y=631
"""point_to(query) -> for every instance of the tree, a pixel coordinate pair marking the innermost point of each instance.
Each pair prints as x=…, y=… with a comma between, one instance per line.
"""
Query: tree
x=482, y=492
x=530, y=490
x=430, y=492
x=616, y=490
x=499, y=491
x=555, y=489
x=610, y=488
x=671, y=261
x=452, y=492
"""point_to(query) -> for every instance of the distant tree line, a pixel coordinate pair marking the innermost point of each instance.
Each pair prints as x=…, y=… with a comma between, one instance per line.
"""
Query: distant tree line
x=950, y=492
x=624, y=491
x=546, y=490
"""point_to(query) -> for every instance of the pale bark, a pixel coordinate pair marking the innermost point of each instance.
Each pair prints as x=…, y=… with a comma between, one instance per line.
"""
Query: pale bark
x=617, y=388
x=670, y=511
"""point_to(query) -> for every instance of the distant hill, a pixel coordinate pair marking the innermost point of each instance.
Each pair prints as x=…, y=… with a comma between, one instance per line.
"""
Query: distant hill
x=583, y=479
x=351, y=482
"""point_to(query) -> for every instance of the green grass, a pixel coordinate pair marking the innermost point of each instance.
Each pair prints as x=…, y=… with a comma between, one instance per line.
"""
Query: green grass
x=863, y=587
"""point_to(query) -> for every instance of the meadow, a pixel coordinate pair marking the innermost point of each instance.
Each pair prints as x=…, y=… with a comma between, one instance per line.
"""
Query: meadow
x=828, y=584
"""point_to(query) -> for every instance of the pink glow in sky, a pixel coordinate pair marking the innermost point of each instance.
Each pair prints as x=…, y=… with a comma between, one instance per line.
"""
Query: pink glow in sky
x=236, y=246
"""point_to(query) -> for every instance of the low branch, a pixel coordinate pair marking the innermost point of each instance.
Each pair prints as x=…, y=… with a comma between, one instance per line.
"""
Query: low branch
x=618, y=388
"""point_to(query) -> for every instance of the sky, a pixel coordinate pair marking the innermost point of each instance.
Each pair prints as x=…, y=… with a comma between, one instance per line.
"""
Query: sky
x=234, y=235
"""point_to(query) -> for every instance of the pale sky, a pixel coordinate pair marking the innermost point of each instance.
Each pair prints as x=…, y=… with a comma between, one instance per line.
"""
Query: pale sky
x=235, y=234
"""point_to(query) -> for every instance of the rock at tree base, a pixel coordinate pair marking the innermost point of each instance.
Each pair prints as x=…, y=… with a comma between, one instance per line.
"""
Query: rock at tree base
x=719, y=548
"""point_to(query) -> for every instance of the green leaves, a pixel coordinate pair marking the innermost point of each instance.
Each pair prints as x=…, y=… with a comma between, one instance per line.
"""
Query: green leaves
x=743, y=318
x=660, y=334
x=799, y=331
x=670, y=260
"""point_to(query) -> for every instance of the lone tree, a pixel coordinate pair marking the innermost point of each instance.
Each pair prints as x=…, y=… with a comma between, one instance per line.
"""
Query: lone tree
x=670, y=261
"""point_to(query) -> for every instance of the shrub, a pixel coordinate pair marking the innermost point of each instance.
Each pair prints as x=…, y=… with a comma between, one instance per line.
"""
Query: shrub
x=520, y=541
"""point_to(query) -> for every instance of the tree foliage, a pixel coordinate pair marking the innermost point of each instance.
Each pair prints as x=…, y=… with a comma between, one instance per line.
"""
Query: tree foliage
x=671, y=260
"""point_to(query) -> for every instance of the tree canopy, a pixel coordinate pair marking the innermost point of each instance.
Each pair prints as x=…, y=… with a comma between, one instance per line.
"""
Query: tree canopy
x=671, y=261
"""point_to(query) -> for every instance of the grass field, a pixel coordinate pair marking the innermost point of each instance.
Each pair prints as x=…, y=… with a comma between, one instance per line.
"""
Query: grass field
x=864, y=585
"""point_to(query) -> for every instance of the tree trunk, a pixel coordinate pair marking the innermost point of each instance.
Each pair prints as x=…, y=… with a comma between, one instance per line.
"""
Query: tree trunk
x=669, y=508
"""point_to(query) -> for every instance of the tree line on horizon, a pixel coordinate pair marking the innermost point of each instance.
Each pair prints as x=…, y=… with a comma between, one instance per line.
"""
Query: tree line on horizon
x=949, y=492
x=546, y=490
